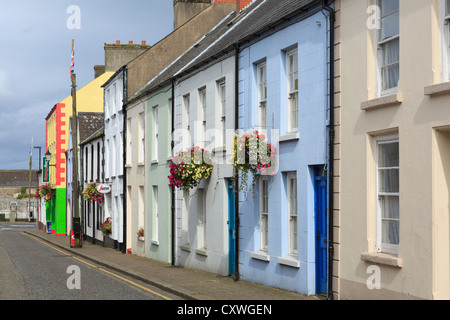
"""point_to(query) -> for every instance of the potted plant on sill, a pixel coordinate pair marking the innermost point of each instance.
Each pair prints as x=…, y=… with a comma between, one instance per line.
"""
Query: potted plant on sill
x=252, y=153
x=140, y=234
x=189, y=168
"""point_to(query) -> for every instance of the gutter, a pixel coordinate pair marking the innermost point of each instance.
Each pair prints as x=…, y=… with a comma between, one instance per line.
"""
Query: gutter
x=124, y=149
x=326, y=7
x=172, y=187
x=236, y=181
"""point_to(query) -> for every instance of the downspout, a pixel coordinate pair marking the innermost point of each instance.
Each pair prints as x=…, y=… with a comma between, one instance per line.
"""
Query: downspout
x=235, y=173
x=172, y=187
x=326, y=7
x=124, y=152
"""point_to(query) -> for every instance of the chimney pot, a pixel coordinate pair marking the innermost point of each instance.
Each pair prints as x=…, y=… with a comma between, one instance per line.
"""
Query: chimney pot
x=130, y=42
x=143, y=43
x=117, y=41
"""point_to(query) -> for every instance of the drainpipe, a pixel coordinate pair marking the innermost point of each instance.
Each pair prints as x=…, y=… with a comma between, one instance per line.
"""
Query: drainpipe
x=124, y=144
x=172, y=187
x=326, y=7
x=236, y=181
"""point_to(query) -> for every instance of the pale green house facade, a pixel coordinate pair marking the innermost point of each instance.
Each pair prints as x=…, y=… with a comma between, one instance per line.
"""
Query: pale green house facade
x=158, y=137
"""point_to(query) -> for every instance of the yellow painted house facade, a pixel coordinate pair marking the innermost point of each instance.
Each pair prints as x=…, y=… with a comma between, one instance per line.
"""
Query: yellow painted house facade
x=89, y=99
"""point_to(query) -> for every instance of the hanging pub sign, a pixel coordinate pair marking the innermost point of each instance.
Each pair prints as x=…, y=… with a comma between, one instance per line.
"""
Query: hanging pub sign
x=46, y=170
x=104, y=188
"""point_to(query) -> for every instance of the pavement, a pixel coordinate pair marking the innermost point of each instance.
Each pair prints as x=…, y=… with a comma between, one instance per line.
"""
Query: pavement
x=183, y=282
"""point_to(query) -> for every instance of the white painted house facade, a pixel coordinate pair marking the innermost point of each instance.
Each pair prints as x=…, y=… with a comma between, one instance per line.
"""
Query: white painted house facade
x=113, y=154
x=204, y=109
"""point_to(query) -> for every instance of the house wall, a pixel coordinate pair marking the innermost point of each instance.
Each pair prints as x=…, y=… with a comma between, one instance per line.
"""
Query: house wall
x=190, y=247
x=298, y=153
x=158, y=230
x=135, y=171
x=91, y=162
x=113, y=153
x=142, y=69
x=418, y=113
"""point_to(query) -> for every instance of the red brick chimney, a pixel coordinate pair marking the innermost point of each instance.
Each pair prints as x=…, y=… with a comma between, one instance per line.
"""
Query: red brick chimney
x=240, y=4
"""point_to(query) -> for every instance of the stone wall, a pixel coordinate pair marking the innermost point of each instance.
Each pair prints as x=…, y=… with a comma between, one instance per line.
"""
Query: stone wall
x=22, y=204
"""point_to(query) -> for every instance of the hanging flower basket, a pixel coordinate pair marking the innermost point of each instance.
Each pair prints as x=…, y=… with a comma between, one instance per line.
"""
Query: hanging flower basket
x=106, y=227
x=45, y=192
x=188, y=168
x=252, y=153
x=90, y=193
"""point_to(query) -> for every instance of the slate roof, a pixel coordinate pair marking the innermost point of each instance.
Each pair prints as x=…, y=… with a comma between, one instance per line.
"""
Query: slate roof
x=249, y=24
x=16, y=178
x=89, y=123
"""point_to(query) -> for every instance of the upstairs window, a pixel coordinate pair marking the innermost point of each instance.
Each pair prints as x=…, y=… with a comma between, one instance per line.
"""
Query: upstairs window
x=446, y=40
x=262, y=95
x=388, y=215
x=389, y=45
x=292, y=85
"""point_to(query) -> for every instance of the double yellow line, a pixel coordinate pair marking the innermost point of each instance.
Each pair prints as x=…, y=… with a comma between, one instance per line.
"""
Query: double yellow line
x=99, y=268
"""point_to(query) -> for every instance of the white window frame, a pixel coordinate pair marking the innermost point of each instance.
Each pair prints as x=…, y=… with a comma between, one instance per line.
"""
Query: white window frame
x=292, y=90
x=155, y=228
x=155, y=125
x=261, y=83
x=107, y=103
x=129, y=142
x=380, y=245
x=292, y=197
x=444, y=10
x=380, y=44
x=202, y=111
x=221, y=88
x=201, y=219
x=187, y=110
x=264, y=212
x=141, y=137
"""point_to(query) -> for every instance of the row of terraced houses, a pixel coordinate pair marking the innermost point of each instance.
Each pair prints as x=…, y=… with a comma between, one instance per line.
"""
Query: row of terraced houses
x=354, y=98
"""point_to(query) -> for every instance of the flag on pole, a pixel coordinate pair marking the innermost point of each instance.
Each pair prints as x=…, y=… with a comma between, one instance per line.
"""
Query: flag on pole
x=72, y=63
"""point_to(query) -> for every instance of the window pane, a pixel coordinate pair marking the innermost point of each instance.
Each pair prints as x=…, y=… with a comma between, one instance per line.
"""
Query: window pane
x=294, y=109
x=447, y=8
x=388, y=155
x=389, y=207
x=388, y=6
x=390, y=26
x=390, y=231
x=388, y=180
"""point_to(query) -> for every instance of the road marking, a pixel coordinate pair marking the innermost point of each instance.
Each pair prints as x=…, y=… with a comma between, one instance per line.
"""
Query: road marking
x=99, y=268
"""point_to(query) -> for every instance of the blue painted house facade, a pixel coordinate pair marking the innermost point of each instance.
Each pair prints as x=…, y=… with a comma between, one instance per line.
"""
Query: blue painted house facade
x=283, y=93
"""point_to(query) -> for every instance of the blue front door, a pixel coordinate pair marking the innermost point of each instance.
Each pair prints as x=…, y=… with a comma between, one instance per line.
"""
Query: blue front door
x=231, y=228
x=321, y=232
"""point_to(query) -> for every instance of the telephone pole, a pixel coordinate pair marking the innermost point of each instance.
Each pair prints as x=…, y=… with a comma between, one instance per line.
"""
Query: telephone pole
x=76, y=214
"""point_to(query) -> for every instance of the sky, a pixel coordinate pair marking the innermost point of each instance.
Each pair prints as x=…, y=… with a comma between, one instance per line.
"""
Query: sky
x=35, y=51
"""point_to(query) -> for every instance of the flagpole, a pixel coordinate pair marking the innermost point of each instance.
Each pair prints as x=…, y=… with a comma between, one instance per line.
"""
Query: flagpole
x=75, y=191
x=29, y=182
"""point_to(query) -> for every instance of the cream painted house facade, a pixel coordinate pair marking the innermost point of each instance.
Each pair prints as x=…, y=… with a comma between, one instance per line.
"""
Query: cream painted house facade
x=395, y=150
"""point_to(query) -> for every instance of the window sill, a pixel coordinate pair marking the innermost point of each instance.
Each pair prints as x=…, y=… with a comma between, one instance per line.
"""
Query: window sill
x=141, y=239
x=128, y=165
x=141, y=164
x=389, y=100
x=153, y=162
x=220, y=149
x=290, y=261
x=437, y=89
x=289, y=136
x=383, y=258
x=260, y=255
x=202, y=252
x=155, y=242
x=186, y=247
